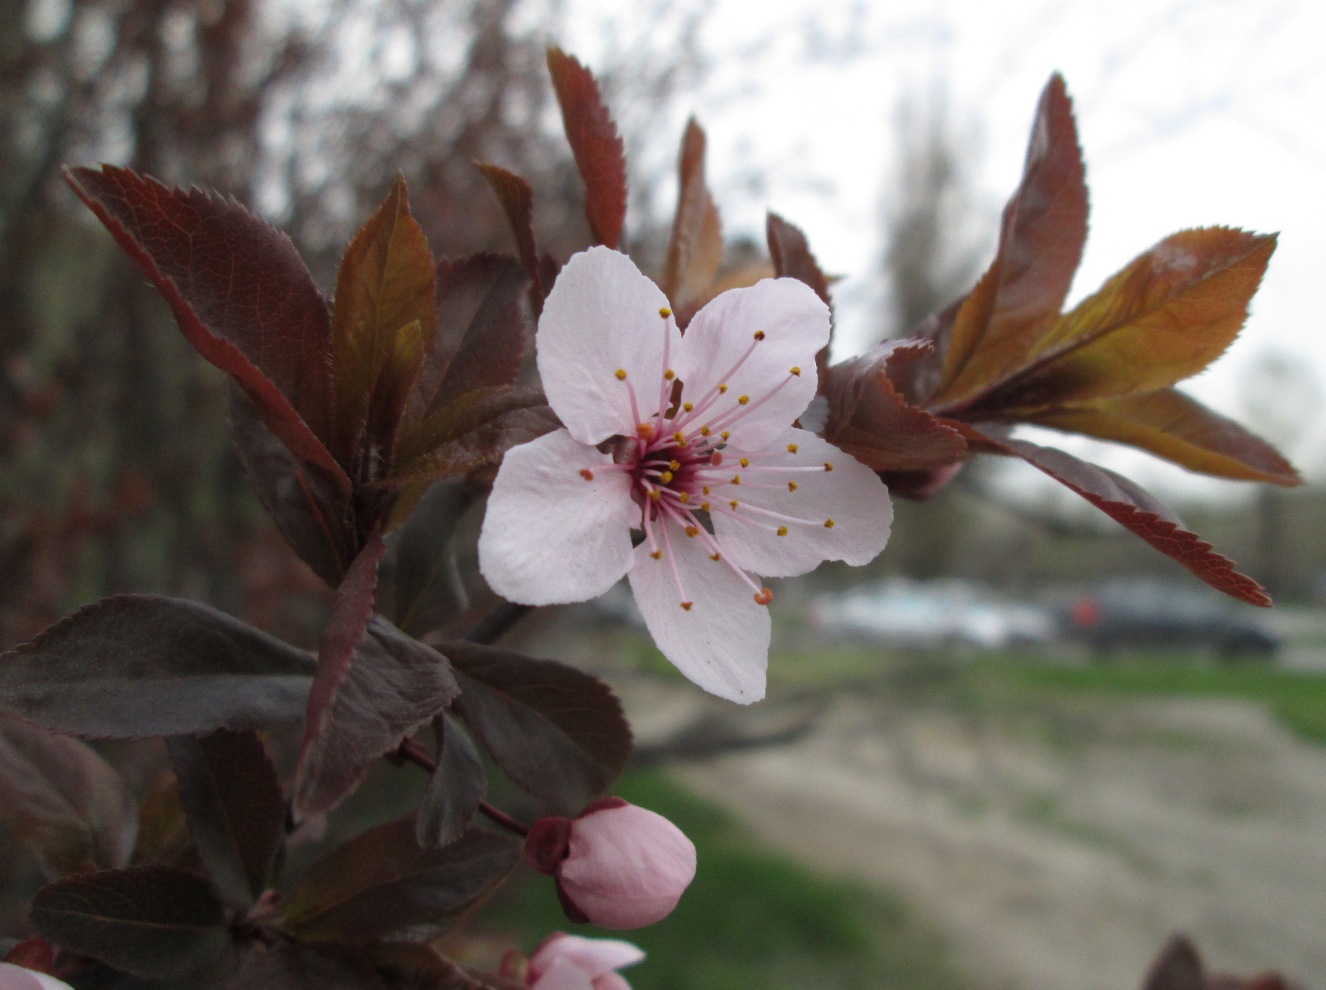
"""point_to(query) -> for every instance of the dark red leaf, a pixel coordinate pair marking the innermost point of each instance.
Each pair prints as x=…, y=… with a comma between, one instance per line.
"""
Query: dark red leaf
x=517, y=199
x=792, y=259
x=382, y=885
x=235, y=809
x=311, y=508
x=411, y=966
x=457, y=786
x=132, y=666
x=1180, y=429
x=695, y=250
x=1041, y=236
x=427, y=588
x=294, y=966
x=240, y=292
x=1138, y=511
x=150, y=921
x=375, y=686
x=556, y=731
x=483, y=328
x=595, y=143
x=1178, y=967
x=63, y=801
x=870, y=420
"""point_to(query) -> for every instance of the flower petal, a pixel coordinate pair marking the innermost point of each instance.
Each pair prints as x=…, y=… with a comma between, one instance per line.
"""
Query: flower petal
x=550, y=535
x=795, y=325
x=722, y=642
x=562, y=974
x=592, y=956
x=788, y=478
x=602, y=317
x=17, y=978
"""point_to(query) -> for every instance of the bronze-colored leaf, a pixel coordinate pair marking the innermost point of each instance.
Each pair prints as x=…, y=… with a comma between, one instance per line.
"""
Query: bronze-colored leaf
x=1178, y=428
x=383, y=320
x=792, y=258
x=1165, y=317
x=517, y=199
x=695, y=250
x=595, y=143
x=1041, y=237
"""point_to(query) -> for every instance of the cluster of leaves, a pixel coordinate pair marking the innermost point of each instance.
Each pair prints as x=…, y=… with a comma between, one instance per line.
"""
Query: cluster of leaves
x=367, y=425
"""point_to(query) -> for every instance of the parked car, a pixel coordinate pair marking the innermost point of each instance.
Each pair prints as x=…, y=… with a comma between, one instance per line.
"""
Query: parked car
x=933, y=614
x=1127, y=614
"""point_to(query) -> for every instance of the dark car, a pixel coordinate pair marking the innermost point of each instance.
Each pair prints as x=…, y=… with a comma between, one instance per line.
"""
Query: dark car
x=1124, y=615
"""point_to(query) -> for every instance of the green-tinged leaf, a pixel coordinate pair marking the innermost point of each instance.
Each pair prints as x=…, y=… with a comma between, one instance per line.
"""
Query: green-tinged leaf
x=695, y=250
x=293, y=966
x=383, y=321
x=63, y=801
x=1128, y=504
x=870, y=420
x=1165, y=317
x=131, y=666
x=455, y=790
x=595, y=143
x=163, y=829
x=382, y=885
x=1041, y=236
x=240, y=292
x=427, y=587
x=150, y=921
x=792, y=259
x=474, y=431
x=517, y=199
x=375, y=686
x=1178, y=428
x=483, y=328
x=313, y=512
x=236, y=812
x=556, y=731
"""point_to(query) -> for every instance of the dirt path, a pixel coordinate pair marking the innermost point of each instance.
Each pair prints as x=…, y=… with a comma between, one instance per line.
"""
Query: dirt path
x=1058, y=850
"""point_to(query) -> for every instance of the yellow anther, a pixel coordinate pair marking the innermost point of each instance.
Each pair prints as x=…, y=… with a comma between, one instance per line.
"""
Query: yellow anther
x=705, y=489
x=669, y=375
x=722, y=389
x=744, y=400
x=759, y=334
x=674, y=465
x=704, y=506
x=687, y=605
x=692, y=531
x=725, y=434
x=645, y=431
x=665, y=477
x=736, y=479
x=828, y=524
x=688, y=407
x=828, y=465
x=621, y=374
x=791, y=448
x=796, y=371
x=782, y=530
x=715, y=556
x=745, y=462
x=655, y=494
x=685, y=498
x=705, y=431
x=664, y=312
x=679, y=438
x=657, y=555
x=733, y=503
x=791, y=486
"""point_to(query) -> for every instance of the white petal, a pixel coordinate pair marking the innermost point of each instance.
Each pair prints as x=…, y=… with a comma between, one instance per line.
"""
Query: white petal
x=795, y=324
x=18, y=978
x=722, y=642
x=550, y=536
x=851, y=495
x=562, y=974
x=601, y=317
x=593, y=956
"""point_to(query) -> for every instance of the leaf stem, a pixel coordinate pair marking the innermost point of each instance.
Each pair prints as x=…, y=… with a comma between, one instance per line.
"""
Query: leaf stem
x=410, y=751
x=498, y=623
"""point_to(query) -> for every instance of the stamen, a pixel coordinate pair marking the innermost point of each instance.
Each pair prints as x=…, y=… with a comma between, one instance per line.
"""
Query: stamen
x=745, y=462
x=587, y=474
x=669, y=375
x=664, y=312
x=687, y=605
x=782, y=530
x=791, y=486
x=715, y=557
x=645, y=431
x=687, y=406
x=763, y=597
x=722, y=390
x=744, y=400
x=759, y=334
x=828, y=465
x=791, y=448
x=796, y=371
x=828, y=524
x=621, y=374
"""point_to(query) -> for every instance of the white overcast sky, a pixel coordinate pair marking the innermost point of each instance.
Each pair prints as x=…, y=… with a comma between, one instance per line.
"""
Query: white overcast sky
x=1189, y=114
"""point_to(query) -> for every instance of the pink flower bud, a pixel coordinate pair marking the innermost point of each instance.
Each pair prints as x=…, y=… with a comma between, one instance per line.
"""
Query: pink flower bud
x=17, y=978
x=569, y=962
x=617, y=865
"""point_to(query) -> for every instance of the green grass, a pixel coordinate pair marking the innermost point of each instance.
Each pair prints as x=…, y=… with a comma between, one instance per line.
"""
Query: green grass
x=751, y=919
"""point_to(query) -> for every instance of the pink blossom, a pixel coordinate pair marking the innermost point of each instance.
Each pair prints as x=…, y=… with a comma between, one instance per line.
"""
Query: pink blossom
x=617, y=865
x=686, y=440
x=569, y=962
x=18, y=978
